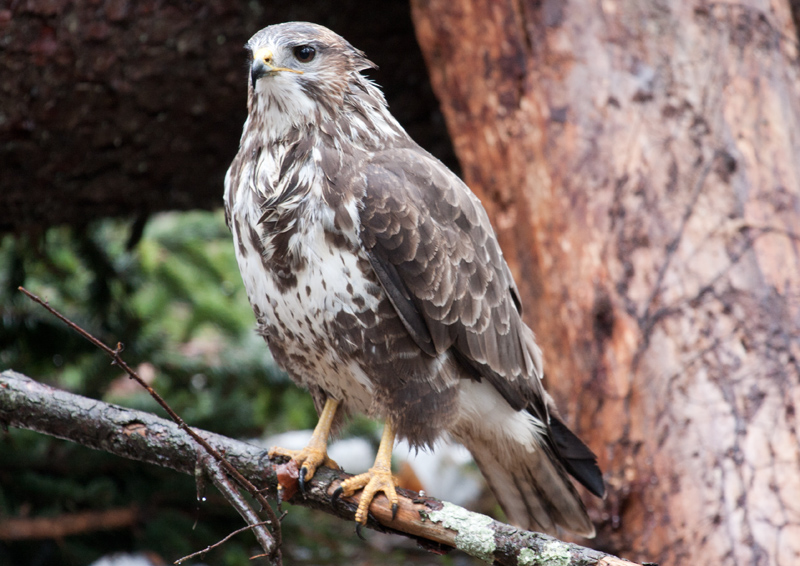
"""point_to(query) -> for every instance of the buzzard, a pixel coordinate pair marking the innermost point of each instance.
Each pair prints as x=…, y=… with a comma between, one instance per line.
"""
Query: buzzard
x=378, y=283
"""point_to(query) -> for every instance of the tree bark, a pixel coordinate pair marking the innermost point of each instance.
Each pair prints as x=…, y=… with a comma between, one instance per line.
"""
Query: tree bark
x=641, y=164
x=141, y=436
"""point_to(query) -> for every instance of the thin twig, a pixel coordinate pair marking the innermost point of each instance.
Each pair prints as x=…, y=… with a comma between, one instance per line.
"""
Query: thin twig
x=237, y=501
x=220, y=542
x=118, y=361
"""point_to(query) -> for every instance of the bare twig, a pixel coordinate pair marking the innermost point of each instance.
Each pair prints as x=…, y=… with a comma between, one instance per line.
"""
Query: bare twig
x=24, y=403
x=220, y=542
x=274, y=549
x=237, y=502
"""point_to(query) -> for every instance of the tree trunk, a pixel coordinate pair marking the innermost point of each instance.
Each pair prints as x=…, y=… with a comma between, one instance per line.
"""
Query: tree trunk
x=641, y=163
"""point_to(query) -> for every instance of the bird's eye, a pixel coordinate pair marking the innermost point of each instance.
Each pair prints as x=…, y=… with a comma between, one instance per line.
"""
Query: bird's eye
x=304, y=53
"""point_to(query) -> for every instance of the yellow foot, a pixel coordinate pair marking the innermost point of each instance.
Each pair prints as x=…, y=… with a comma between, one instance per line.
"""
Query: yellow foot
x=375, y=480
x=308, y=460
x=316, y=453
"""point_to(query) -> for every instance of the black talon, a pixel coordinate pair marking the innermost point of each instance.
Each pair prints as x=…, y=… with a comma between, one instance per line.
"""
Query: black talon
x=394, y=511
x=336, y=494
x=358, y=532
x=302, y=480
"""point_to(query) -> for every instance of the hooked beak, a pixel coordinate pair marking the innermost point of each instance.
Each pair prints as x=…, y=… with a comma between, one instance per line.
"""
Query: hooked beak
x=261, y=66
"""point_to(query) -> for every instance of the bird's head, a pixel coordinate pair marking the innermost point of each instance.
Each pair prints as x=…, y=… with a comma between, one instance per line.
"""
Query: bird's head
x=301, y=71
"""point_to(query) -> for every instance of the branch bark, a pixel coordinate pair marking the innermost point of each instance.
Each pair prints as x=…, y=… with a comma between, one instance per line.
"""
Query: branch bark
x=25, y=403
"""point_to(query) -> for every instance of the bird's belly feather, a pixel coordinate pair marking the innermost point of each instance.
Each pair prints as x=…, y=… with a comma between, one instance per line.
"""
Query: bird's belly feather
x=302, y=324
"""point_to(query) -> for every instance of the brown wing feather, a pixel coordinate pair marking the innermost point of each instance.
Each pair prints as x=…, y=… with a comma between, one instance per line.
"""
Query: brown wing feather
x=436, y=254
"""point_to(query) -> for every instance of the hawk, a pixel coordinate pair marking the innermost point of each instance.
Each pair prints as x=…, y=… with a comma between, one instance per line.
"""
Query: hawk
x=377, y=281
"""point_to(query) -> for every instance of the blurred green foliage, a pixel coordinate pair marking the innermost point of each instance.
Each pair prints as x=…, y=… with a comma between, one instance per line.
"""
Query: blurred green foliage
x=173, y=298
x=169, y=290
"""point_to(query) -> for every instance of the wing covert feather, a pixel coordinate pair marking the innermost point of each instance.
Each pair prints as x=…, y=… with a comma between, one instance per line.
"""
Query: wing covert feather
x=436, y=255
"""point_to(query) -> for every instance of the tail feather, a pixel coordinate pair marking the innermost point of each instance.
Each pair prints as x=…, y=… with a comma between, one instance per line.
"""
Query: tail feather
x=533, y=489
x=526, y=461
x=579, y=460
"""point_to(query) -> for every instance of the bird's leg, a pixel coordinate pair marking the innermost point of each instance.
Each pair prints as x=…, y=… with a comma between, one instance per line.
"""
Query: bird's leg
x=378, y=478
x=315, y=454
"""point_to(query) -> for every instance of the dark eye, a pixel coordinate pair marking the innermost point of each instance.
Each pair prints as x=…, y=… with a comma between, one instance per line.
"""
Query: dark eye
x=304, y=53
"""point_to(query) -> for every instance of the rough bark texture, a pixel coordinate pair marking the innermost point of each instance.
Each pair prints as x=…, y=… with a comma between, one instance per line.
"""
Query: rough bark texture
x=113, y=107
x=641, y=162
x=25, y=403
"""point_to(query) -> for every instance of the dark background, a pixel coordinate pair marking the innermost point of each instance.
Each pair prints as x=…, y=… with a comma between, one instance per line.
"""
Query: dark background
x=116, y=107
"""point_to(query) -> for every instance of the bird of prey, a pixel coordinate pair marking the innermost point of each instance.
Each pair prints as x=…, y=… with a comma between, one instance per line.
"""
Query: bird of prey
x=378, y=283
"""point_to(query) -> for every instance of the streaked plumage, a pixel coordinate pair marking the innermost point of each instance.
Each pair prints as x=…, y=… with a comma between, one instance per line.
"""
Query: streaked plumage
x=377, y=280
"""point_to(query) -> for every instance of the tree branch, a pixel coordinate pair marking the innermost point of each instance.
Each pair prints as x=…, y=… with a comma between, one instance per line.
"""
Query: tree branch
x=25, y=403
x=33, y=528
x=229, y=491
x=270, y=542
